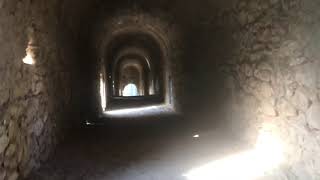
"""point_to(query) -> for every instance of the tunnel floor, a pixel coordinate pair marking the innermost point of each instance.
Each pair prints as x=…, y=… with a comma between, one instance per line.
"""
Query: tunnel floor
x=135, y=152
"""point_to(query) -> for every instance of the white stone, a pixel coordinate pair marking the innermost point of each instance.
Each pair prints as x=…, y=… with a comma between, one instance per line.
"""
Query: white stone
x=313, y=116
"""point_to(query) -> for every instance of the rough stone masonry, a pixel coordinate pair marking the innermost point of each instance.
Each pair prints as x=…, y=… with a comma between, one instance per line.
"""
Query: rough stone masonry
x=32, y=97
x=276, y=67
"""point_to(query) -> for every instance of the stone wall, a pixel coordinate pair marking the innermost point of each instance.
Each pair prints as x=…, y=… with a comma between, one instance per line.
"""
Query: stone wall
x=34, y=99
x=275, y=76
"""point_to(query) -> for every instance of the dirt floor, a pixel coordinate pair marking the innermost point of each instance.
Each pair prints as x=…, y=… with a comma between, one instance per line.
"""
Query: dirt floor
x=136, y=151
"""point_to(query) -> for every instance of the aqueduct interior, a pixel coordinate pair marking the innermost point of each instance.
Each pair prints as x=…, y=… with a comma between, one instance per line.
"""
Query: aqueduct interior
x=166, y=89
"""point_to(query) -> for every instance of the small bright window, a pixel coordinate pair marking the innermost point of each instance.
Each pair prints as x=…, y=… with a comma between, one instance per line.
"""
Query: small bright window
x=130, y=90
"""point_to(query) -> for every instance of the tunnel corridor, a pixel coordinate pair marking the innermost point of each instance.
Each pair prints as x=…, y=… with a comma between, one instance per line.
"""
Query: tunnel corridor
x=166, y=89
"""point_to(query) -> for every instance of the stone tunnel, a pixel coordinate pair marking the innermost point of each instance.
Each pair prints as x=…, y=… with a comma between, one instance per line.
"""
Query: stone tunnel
x=166, y=89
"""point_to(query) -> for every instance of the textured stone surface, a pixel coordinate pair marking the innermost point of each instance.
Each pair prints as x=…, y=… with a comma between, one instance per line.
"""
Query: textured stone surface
x=313, y=116
x=26, y=93
x=279, y=41
x=286, y=108
x=268, y=109
x=301, y=100
x=4, y=141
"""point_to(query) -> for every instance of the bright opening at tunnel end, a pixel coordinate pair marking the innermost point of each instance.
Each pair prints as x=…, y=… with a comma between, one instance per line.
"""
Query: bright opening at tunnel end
x=266, y=156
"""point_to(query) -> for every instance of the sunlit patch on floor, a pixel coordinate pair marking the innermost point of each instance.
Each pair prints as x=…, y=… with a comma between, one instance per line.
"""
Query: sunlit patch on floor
x=141, y=111
x=267, y=155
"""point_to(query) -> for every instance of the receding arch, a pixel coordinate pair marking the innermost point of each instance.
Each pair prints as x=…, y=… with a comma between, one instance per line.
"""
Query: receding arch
x=131, y=71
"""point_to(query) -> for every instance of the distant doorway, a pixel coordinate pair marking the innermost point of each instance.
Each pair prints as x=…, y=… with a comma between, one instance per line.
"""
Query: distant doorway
x=130, y=90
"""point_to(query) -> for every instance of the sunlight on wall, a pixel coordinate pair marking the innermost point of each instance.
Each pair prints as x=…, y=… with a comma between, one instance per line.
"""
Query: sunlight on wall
x=28, y=59
x=196, y=135
x=31, y=54
x=102, y=92
x=249, y=165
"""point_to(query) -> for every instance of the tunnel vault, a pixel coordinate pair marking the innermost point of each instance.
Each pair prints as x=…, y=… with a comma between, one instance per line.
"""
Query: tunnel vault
x=135, y=51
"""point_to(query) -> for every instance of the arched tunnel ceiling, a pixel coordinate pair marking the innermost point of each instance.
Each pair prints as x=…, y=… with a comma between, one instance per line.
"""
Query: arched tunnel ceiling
x=81, y=16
